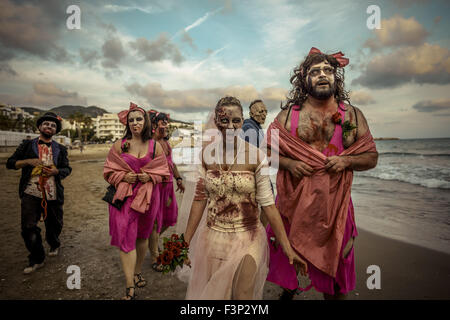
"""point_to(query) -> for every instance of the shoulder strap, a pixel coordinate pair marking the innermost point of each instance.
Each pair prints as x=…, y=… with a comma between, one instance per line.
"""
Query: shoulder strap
x=154, y=148
x=294, y=119
x=287, y=117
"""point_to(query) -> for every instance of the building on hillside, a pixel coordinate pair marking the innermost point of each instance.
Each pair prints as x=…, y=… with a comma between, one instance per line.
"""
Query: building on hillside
x=108, y=125
x=14, y=113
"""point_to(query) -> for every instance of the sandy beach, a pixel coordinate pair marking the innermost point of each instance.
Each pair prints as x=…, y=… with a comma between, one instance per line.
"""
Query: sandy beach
x=407, y=271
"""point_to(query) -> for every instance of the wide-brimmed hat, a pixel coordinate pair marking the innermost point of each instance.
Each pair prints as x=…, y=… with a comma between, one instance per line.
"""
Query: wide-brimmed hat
x=50, y=116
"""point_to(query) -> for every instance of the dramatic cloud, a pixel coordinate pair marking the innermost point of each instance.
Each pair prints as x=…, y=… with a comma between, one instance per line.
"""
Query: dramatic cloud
x=432, y=105
x=195, y=100
x=397, y=31
x=158, y=50
x=6, y=68
x=33, y=28
x=425, y=64
x=113, y=52
x=45, y=94
x=89, y=57
x=361, y=98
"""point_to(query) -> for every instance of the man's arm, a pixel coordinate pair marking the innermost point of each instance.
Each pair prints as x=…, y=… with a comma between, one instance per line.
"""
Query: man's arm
x=18, y=161
x=63, y=165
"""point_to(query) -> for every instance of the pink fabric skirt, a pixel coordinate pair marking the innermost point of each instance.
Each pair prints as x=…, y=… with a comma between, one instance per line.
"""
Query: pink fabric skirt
x=169, y=205
x=126, y=225
x=284, y=274
x=216, y=259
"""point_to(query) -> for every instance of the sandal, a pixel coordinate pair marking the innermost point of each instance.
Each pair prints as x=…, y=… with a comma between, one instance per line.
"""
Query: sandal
x=157, y=267
x=128, y=296
x=141, y=281
x=287, y=294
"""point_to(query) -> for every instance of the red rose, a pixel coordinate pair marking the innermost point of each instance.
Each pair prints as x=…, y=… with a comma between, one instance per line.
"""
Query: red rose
x=176, y=252
x=165, y=258
x=174, y=237
x=170, y=255
x=336, y=118
x=184, y=244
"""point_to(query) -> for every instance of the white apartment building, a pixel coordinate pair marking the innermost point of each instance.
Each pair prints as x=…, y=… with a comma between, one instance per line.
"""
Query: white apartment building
x=108, y=124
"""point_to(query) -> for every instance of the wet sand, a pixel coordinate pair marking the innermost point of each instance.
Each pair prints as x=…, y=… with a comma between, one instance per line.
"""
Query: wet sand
x=407, y=271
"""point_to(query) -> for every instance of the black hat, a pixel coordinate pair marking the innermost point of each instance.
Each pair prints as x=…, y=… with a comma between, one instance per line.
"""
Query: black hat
x=50, y=116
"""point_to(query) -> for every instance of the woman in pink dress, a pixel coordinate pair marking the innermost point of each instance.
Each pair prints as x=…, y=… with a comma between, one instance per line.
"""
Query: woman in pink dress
x=168, y=202
x=230, y=258
x=134, y=165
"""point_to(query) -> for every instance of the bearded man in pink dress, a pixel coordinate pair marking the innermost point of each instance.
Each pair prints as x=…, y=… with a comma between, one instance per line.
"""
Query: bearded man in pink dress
x=322, y=140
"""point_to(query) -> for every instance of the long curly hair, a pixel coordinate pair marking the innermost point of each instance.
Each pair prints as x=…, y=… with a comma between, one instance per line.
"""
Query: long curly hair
x=299, y=92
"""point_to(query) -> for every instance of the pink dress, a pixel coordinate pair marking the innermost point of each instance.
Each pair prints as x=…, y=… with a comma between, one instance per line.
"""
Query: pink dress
x=126, y=224
x=284, y=274
x=169, y=205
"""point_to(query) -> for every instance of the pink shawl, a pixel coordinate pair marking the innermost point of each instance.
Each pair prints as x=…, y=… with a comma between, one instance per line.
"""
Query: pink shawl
x=116, y=168
x=316, y=206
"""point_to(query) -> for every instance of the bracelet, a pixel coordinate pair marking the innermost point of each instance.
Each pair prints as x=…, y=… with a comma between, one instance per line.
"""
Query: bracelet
x=179, y=178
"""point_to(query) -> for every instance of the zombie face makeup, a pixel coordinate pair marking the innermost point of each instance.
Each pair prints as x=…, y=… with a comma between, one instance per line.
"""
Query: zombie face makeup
x=258, y=112
x=321, y=81
x=228, y=117
x=48, y=129
x=136, y=121
x=162, y=128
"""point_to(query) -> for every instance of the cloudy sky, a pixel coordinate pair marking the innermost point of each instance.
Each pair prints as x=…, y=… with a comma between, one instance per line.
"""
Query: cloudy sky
x=182, y=56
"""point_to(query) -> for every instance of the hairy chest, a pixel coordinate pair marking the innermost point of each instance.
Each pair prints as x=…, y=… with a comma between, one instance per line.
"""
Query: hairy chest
x=317, y=129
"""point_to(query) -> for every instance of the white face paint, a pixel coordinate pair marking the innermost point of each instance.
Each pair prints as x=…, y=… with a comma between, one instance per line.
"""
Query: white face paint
x=48, y=128
x=136, y=121
x=258, y=112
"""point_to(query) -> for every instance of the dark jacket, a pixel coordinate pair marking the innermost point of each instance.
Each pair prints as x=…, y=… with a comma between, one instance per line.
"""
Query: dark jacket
x=28, y=150
x=255, y=135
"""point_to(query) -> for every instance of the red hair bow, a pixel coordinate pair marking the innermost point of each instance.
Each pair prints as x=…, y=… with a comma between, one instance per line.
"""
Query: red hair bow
x=123, y=115
x=338, y=55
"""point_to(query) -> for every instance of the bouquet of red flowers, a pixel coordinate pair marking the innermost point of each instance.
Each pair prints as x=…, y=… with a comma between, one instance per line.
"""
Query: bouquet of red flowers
x=174, y=254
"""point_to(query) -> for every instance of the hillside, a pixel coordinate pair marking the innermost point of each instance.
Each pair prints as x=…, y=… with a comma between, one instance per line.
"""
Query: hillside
x=66, y=110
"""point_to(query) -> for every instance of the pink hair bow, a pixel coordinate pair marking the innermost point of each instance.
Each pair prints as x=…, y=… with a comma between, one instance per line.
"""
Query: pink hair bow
x=338, y=55
x=123, y=115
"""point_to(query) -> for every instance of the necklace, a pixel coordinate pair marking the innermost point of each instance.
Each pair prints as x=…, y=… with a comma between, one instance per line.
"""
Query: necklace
x=225, y=173
x=234, y=160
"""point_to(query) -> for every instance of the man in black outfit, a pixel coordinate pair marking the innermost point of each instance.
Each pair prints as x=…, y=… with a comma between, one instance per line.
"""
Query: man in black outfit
x=44, y=163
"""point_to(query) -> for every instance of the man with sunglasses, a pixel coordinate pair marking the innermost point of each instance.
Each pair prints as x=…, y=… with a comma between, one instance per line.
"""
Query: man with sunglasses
x=44, y=164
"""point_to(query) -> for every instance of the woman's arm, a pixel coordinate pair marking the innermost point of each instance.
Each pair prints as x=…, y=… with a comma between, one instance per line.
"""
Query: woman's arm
x=277, y=226
x=198, y=206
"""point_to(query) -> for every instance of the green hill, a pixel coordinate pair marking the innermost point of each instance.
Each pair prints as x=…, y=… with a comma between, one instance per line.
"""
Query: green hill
x=66, y=110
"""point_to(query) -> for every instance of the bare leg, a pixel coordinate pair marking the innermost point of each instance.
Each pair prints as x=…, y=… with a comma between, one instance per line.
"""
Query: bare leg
x=128, y=260
x=153, y=244
x=244, y=279
x=141, y=249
